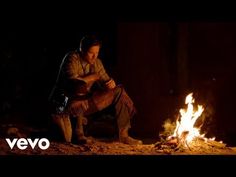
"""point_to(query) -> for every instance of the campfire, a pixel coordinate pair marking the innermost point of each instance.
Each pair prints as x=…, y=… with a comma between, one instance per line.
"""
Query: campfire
x=183, y=135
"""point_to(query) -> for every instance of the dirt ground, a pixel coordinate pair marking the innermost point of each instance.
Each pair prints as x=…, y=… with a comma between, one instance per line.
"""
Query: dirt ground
x=100, y=146
x=105, y=147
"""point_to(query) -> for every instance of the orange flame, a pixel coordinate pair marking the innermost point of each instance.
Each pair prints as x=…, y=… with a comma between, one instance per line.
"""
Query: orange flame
x=187, y=120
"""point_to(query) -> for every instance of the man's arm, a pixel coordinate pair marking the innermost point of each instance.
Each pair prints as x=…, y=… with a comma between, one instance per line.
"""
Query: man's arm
x=90, y=78
x=73, y=70
x=108, y=82
x=74, y=75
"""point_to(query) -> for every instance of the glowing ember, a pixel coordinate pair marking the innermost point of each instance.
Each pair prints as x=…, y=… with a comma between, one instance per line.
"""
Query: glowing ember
x=185, y=129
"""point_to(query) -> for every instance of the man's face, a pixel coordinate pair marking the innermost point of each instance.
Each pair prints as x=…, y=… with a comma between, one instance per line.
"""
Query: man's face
x=92, y=54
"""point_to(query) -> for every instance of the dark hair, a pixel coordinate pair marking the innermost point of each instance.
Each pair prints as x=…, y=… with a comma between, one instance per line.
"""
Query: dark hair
x=88, y=41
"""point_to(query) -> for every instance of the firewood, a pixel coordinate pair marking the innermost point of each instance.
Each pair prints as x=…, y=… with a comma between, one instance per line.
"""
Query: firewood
x=216, y=144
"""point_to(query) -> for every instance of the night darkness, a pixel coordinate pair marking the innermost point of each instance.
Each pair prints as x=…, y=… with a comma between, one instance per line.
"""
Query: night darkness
x=158, y=61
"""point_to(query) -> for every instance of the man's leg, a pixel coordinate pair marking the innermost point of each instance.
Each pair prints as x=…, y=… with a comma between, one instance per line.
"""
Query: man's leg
x=101, y=100
x=124, y=112
x=79, y=131
x=76, y=109
x=64, y=123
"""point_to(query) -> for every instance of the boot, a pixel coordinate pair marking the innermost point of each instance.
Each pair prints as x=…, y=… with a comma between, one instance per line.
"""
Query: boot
x=80, y=137
x=126, y=139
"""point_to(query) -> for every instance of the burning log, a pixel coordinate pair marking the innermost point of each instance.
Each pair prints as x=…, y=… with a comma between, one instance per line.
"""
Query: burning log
x=197, y=145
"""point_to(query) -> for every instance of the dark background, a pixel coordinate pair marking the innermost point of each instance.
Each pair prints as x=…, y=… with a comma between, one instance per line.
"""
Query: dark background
x=158, y=60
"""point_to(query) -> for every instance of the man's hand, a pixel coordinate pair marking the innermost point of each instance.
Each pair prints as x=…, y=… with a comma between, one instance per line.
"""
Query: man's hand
x=110, y=84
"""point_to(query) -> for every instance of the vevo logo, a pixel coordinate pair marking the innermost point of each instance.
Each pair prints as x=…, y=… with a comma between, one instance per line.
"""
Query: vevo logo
x=23, y=143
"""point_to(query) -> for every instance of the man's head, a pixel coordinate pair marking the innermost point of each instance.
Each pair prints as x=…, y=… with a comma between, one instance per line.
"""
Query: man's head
x=89, y=48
